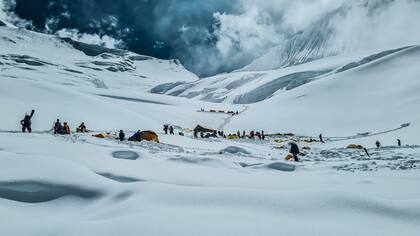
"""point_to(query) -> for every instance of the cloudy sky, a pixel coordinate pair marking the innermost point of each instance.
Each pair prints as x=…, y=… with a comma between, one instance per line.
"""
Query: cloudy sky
x=214, y=36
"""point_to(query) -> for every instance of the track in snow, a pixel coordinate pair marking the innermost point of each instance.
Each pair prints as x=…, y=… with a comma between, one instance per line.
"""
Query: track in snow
x=228, y=119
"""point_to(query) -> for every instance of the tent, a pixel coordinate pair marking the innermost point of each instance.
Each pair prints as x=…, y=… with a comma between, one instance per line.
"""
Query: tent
x=104, y=135
x=145, y=135
x=200, y=129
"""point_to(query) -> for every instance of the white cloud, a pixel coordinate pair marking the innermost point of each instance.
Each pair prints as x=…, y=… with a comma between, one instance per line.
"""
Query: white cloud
x=103, y=40
x=394, y=25
x=250, y=32
x=354, y=25
x=9, y=17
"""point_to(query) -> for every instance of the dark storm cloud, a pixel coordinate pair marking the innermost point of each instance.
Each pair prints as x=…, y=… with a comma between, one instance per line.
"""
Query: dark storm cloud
x=164, y=28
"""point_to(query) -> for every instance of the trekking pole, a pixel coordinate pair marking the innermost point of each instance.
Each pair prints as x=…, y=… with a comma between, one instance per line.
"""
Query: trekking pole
x=366, y=151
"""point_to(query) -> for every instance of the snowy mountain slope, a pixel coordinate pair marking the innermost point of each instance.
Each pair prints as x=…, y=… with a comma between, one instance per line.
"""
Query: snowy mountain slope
x=354, y=26
x=110, y=109
x=76, y=82
x=249, y=87
x=26, y=53
x=379, y=95
x=81, y=185
x=303, y=47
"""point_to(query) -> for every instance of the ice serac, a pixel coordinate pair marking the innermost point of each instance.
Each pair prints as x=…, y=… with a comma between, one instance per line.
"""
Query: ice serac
x=321, y=39
x=302, y=47
x=248, y=87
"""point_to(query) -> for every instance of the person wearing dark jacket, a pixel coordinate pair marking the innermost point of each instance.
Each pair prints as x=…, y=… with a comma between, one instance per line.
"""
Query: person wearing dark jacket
x=121, y=136
x=58, y=128
x=294, y=150
x=26, y=122
x=399, y=142
x=321, y=139
x=136, y=136
x=165, y=128
x=171, y=130
x=82, y=128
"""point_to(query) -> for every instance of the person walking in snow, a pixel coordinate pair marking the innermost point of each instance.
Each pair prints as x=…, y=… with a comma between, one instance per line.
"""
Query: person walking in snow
x=82, y=128
x=252, y=134
x=58, y=128
x=294, y=150
x=399, y=142
x=165, y=128
x=171, y=130
x=121, y=135
x=259, y=135
x=26, y=122
x=262, y=135
x=66, y=128
x=321, y=139
x=238, y=134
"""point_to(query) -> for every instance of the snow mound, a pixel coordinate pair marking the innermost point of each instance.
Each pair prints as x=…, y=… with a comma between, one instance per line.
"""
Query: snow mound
x=234, y=150
x=37, y=192
x=199, y=161
x=280, y=166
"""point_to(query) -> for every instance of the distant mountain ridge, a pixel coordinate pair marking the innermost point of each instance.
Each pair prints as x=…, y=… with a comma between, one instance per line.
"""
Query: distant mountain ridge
x=317, y=41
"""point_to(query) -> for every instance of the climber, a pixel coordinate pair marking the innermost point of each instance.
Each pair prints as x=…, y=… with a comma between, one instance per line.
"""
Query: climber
x=26, y=122
x=294, y=150
x=82, y=128
x=66, y=128
x=321, y=139
x=58, y=128
x=121, y=135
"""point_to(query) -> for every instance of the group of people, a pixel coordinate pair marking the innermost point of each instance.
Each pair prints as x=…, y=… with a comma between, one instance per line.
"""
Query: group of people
x=233, y=113
x=168, y=128
x=208, y=134
x=64, y=129
x=252, y=135
x=379, y=144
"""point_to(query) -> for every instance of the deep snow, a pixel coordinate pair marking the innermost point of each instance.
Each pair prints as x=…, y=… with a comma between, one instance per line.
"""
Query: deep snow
x=82, y=185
